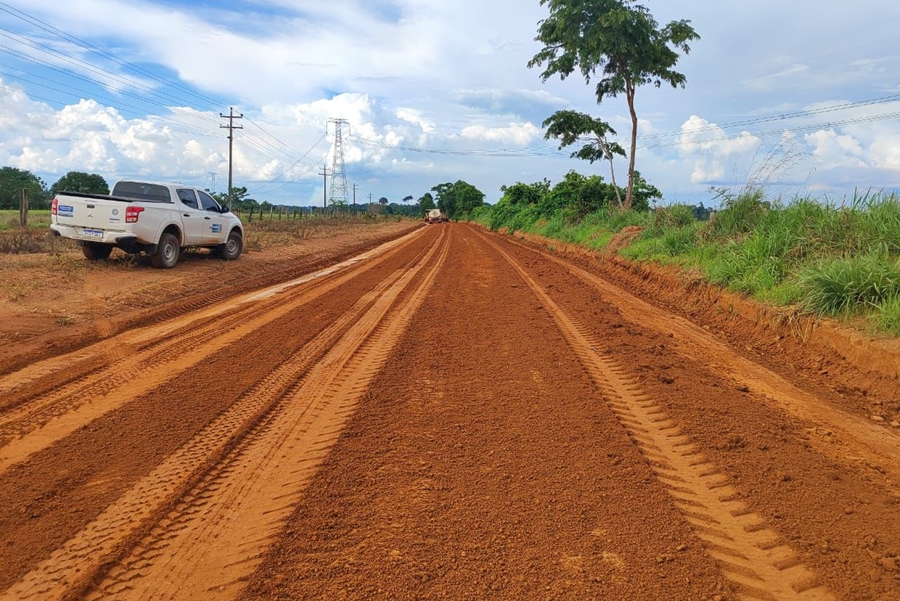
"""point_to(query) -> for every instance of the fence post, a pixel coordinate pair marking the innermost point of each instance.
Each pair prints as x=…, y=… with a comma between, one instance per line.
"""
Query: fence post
x=23, y=209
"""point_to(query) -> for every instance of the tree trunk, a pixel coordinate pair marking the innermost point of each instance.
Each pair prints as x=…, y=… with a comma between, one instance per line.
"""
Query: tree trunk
x=629, y=194
x=612, y=175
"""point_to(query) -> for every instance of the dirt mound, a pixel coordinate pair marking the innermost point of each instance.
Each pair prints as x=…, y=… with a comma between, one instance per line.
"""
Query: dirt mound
x=626, y=236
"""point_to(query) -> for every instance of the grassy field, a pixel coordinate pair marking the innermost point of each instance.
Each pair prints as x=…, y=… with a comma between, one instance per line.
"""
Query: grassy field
x=836, y=259
x=37, y=219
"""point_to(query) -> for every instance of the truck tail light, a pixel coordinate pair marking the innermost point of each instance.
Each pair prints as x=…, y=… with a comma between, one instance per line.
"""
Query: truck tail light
x=132, y=214
x=54, y=205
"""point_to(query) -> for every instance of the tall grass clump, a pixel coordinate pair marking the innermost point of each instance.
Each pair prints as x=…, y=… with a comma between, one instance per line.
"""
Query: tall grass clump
x=847, y=285
x=887, y=318
x=668, y=232
x=741, y=213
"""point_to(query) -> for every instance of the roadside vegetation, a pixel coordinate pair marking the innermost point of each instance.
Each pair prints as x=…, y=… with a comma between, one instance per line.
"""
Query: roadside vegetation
x=838, y=259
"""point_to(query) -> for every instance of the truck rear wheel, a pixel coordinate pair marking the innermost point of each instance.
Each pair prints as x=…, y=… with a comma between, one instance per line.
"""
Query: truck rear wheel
x=93, y=251
x=167, y=252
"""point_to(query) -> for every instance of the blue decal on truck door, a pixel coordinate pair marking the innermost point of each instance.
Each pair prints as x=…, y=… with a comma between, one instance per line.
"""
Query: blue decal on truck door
x=217, y=228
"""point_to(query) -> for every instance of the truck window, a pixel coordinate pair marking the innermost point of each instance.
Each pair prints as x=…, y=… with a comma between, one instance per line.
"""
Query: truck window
x=208, y=203
x=188, y=198
x=142, y=191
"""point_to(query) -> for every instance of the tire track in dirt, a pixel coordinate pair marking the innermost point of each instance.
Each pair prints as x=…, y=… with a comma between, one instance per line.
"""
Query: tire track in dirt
x=243, y=504
x=47, y=418
x=752, y=555
x=240, y=280
x=865, y=444
x=114, y=533
x=23, y=384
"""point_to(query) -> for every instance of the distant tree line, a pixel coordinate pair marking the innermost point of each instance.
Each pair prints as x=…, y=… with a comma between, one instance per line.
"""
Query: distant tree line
x=14, y=180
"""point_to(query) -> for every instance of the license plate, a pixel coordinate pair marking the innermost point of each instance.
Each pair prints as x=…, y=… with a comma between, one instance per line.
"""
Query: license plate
x=92, y=233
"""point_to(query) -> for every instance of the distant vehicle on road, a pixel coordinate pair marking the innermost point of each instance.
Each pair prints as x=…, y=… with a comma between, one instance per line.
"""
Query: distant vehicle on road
x=435, y=216
x=156, y=219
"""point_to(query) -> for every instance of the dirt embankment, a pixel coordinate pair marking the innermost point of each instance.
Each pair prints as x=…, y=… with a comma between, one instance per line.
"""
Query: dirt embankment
x=864, y=371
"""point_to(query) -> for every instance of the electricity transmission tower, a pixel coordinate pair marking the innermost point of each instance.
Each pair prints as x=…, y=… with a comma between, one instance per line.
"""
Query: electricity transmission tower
x=339, y=190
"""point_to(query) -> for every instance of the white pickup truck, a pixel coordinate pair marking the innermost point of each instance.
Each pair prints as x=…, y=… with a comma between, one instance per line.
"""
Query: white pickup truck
x=156, y=219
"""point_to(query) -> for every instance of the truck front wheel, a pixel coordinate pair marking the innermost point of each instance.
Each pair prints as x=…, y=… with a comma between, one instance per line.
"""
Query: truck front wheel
x=232, y=248
x=167, y=252
x=93, y=251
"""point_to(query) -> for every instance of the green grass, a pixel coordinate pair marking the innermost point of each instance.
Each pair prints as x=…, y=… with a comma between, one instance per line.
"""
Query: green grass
x=846, y=285
x=9, y=219
x=840, y=259
x=887, y=317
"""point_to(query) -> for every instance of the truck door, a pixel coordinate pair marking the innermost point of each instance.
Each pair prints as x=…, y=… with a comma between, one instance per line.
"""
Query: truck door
x=192, y=217
x=216, y=222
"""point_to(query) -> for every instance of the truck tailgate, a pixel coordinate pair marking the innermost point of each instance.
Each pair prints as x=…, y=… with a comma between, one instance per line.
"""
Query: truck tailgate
x=90, y=217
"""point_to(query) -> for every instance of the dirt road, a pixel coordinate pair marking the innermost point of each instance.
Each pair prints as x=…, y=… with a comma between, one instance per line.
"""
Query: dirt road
x=452, y=415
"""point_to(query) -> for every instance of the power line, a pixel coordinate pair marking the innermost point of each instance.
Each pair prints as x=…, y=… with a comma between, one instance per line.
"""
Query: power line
x=298, y=177
x=812, y=126
x=780, y=117
x=99, y=51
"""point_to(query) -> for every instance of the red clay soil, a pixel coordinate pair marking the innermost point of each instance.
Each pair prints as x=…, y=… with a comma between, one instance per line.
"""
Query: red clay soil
x=485, y=464
x=861, y=373
x=493, y=425
x=64, y=302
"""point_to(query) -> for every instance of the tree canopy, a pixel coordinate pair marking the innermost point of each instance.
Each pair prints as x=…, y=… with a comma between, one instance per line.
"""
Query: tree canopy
x=570, y=127
x=426, y=203
x=13, y=181
x=79, y=181
x=618, y=41
x=458, y=200
x=575, y=196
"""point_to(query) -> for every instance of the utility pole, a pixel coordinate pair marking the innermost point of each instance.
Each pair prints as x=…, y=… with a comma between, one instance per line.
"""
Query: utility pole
x=355, y=188
x=324, y=173
x=230, y=127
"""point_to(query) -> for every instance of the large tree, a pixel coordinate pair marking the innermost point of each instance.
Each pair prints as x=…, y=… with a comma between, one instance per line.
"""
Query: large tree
x=79, y=181
x=618, y=41
x=13, y=181
x=426, y=203
x=458, y=200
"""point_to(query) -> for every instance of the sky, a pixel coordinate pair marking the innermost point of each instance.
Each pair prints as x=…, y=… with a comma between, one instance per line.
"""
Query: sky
x=800, y=97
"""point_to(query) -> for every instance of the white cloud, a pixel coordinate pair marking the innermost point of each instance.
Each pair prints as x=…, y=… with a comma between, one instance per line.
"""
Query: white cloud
x=834, y=149
x=700, y=136
x=515, y=133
